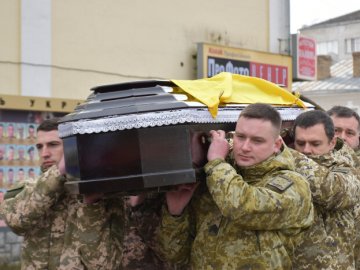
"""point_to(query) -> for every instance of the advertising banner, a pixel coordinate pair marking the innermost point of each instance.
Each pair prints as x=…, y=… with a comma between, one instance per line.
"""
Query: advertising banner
x=213, y=59
x=304, y=58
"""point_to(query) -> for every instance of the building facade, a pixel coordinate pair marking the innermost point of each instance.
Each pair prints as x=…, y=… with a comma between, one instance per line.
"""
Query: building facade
x=338, y=69
x=61, y=49
x=338, y=37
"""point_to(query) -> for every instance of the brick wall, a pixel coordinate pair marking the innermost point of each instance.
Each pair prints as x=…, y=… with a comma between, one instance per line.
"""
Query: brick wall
x=356, y=64
x=323, y=67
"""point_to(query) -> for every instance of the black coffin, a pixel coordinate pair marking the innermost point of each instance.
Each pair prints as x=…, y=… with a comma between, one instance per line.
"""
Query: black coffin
x=142, y=135
x=137, y=159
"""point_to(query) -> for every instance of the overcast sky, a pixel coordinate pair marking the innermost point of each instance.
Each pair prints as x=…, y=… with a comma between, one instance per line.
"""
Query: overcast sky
x=307, y=12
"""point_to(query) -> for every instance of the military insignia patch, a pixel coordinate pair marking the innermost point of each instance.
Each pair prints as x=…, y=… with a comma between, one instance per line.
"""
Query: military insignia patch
x=12, y=192
x=281, y=183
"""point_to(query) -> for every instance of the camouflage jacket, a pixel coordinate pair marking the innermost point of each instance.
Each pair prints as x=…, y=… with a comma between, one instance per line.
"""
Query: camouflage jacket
x=139, y=239
x=52, y=222
x=329, y=242
x=246, y=218
x=357, y=222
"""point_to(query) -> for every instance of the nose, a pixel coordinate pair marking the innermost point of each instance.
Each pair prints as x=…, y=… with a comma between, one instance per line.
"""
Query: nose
x=342, y=135
x=44, y=152
x=307, y=149
x=245, y=146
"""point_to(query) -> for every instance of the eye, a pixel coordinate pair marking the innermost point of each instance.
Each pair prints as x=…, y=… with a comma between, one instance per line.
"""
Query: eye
x=350, y=133
x=316, y=144
x=240, y=136
x=258, y=140
x=299, y=143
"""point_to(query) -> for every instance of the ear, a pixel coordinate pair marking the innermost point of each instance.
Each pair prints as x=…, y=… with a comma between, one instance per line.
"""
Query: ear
x=277, y=145
x=333, y=143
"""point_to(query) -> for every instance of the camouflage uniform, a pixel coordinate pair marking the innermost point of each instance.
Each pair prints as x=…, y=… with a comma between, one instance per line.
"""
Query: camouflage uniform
x=246, y=218
x=329, y=242
x=48, y=219
x=139, y=239
x=357, y=221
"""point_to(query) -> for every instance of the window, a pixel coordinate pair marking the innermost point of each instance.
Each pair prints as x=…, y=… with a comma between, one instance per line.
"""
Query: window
x=352, y=45
x=327, y=47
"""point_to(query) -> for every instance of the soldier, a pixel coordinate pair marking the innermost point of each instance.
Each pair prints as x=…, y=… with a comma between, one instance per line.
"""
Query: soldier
x=2, y=182
x=54, y=222
x=250, y=212
x=329, y=242
x=1, y=132
x=142, y=219
x=347, y=127
x=31, y=133
x=10, y=132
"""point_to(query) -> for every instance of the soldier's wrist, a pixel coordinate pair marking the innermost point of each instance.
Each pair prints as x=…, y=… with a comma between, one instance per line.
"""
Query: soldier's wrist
x=213, y=163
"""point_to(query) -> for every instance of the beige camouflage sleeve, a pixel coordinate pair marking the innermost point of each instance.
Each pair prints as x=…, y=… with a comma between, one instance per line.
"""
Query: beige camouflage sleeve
x=23, y=212
x=174, y=237
x=94, y=236
x=332, y=188
x=259, y=208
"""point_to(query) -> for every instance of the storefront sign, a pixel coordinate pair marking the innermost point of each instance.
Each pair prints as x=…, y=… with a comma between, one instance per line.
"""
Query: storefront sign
x=213, y=59
x=304, y=57
x=38, y=103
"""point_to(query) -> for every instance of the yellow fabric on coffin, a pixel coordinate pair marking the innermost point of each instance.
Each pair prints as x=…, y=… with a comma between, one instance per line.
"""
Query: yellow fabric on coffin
x=233, y=88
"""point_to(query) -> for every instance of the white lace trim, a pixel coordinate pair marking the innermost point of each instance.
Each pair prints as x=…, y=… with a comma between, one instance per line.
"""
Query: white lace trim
x=162, y=118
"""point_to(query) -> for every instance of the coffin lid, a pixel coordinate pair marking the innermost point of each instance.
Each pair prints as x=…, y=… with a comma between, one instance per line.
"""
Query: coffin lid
x=153, y=103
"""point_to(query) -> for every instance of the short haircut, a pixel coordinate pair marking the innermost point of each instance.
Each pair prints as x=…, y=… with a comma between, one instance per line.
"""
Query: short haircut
x=344, y=112
x=49, y=125
x=312, y=118
x=264, y=112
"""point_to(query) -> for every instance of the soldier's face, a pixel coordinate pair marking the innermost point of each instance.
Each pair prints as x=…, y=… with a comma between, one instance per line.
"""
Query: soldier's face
x=347, y=129
x=10, y=131
x=313, y=140
x=255, y=140
x=50, y=148
x=21, y=175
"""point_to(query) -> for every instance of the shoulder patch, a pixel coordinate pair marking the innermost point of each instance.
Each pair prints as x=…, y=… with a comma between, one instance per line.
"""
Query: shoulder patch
x=14, y=190
x=281, y=183
x=341, y=170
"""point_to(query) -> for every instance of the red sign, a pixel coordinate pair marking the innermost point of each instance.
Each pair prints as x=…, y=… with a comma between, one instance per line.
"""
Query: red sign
x=213, y=59
x=306, y=58
x=272, y=73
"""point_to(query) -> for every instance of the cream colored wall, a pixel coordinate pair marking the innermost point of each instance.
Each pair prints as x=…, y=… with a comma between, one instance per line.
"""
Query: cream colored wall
x=98, y=42
x=10, y=47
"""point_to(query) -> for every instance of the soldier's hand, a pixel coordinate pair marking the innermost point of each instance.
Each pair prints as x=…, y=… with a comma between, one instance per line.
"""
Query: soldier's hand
x=219, y=147
x=178, y=198
x=136, y=200
x=92, y=198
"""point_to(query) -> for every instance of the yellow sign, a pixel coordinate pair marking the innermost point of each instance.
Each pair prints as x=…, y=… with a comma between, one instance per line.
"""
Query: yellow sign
x=214, y=59
x=38, y=103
